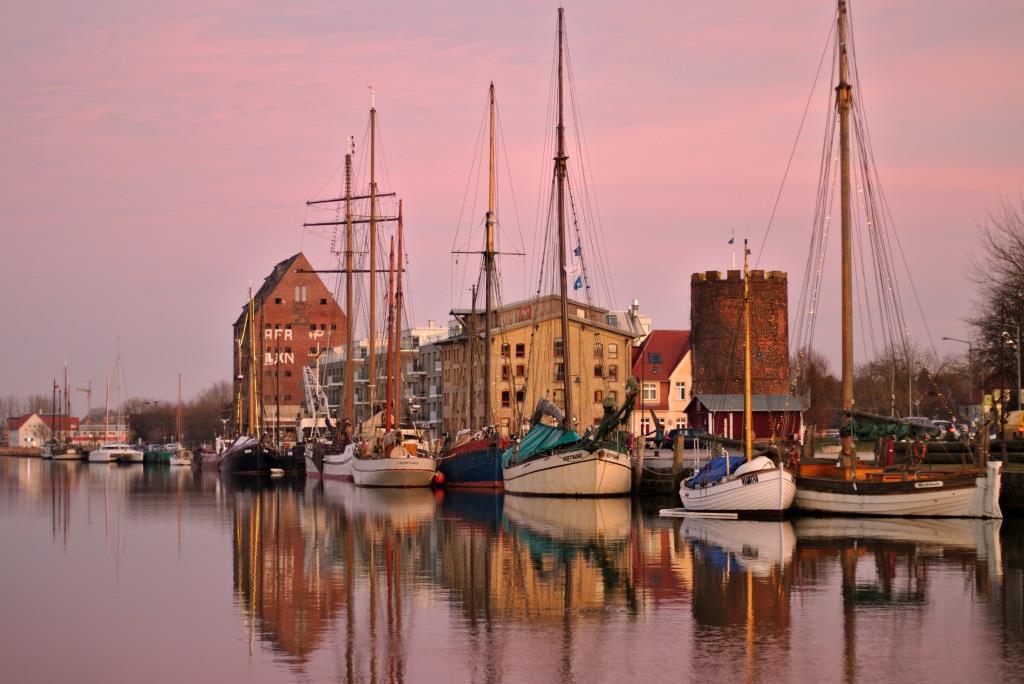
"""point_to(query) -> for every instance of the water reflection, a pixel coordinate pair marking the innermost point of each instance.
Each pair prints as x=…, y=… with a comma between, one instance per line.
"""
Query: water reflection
x=334, y=582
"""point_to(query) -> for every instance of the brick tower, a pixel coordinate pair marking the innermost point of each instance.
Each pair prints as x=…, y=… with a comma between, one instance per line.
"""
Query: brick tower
x=716, y=326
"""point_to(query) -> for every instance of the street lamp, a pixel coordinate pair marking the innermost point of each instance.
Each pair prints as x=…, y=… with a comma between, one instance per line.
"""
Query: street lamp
x=970, y=372
x=1011, y=342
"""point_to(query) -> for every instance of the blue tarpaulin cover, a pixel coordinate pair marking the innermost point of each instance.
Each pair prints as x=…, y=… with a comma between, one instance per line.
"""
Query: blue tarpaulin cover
x=539, y=439
x=714, y=470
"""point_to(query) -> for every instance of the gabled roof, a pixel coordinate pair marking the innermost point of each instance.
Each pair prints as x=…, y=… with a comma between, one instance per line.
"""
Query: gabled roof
x=771, y=403
x=16, y=422
x=659, y=354
x=272, y=280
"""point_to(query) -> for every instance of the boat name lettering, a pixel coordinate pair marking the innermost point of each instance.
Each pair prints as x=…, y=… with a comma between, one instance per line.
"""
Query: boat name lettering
x=928, y=485
x=750, y=479
x=574, y=456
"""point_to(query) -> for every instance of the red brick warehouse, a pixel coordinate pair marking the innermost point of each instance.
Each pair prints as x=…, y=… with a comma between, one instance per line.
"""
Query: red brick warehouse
x=299, y=317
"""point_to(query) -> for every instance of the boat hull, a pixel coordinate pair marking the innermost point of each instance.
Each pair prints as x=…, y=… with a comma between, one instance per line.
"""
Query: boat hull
x=602, y=472
x=248, y=456
x=393, y=472
x=763, y=492
x=954, y=497
x=476, y=464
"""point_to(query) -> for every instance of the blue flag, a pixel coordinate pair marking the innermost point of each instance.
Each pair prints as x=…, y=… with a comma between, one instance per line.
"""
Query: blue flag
x=578, y=251
x=579, y=283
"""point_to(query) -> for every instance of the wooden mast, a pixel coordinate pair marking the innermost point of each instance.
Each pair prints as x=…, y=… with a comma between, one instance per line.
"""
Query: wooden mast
x=748, y=413
x=372, y=334
x=489, y=270
x=391, y=337
x=471, y=361
x=396, y=358
x=177, y=414
x=348, y=408
x=844, y=98
x=560, y=172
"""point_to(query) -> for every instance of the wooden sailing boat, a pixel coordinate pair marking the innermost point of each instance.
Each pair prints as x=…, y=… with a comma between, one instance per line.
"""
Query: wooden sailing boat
x=557, y=460
x=249, y=453
x=747, y=486
x=389, y=456
x=475, y=461
x=846, y=487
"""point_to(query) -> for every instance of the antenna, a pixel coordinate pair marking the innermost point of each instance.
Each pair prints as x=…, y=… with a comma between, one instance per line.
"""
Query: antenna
x=373, y=97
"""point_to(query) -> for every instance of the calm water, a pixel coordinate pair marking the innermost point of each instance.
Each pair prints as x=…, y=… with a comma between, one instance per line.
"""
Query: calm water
x=126, y=573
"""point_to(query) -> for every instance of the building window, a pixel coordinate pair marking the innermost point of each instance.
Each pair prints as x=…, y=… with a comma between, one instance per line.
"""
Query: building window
x=312, y=326
x=334, y=326
x=287, y=350
x=645, y=426
x=287, y=397
x=287, y=374
x=287, y=326
x=681, y=391
x=559, y=372
x=520, y=350
x=504, y=372
x=598, y=371
x=312, y=351
x=504, y=349
x=559, y=396
x=520, y=396
x=520, y=371
x=598, y=396
x=650, y=392
x=613, y=372
x=613, y=395
x=613, y=350
x=598, y=350
x=278, y=300
x=323, y=301
x=654, y=357
x=559, y=347
x=505, y=401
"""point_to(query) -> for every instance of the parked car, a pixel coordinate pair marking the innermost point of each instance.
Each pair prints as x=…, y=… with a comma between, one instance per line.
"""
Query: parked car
x=927, y=423
x=949, y=431
x=1014, y=428
x=689, y=435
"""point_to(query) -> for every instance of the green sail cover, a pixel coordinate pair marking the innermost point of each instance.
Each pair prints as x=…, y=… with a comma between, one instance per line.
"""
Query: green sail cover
x=866, y=427
x=539, y=439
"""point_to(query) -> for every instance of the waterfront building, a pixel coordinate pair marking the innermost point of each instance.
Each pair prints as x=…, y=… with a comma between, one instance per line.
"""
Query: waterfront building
x=33, y=429
x=662, y=366
x=414, y=387
x=776, y=417
x=298, y=319
x=527, y=352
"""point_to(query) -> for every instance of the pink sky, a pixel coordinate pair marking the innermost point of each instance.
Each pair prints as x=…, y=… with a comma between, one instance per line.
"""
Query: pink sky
x=157, y=156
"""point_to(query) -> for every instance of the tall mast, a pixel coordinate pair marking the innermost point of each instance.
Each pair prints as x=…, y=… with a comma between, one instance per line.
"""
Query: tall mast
x=372, y=359
x=560, y=172
x=748, y=413
x=177, y=414
x=67, y=397
x=250, y=371
x=391, y=337
x=53, y=411
x=844, y=98
x=349, y=401
x=396, y=358
x=489, y=270
x=471, y=361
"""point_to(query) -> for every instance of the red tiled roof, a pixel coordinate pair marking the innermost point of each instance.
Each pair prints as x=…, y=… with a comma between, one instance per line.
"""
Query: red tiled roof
x=670, y=345
x=16, y=422
x=62, y=423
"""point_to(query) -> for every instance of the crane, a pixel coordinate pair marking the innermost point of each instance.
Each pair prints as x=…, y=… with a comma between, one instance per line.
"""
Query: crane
x=88, y=398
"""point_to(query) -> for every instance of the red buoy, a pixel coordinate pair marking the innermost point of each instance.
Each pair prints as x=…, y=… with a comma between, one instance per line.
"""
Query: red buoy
x=439, y=478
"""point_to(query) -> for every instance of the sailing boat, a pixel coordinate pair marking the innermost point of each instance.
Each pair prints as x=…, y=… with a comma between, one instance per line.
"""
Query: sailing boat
x=392, y=456
x=248, y=453
x=748, y=485
x=475, y=459
x=329, y=455
x=847, y=487
x=557, y=460
x=120, y=452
